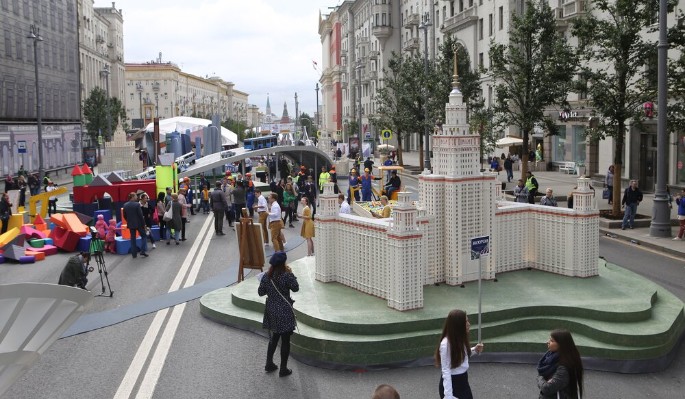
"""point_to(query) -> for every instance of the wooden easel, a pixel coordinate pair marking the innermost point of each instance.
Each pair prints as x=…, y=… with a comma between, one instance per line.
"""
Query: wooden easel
x=250, y=245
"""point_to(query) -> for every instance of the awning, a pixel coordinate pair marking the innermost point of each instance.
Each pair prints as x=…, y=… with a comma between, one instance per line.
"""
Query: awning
x=508, y=142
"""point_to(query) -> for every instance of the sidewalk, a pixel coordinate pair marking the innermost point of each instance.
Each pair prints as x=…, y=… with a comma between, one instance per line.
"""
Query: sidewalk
x=562, y=184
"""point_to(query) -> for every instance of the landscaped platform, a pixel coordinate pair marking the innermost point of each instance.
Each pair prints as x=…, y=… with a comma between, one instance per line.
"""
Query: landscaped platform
x=621, y=321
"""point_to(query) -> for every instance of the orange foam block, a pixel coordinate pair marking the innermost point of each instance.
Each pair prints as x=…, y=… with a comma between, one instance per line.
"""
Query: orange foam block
x=35, y=254
x=58, y=220
x=38, y=220
x=74, y=224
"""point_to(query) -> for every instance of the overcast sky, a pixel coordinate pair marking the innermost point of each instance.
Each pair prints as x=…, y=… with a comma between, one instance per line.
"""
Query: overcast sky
x=263, y=46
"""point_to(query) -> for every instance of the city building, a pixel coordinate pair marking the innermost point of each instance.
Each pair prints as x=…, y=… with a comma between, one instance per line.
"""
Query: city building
x=162, y=89
x=42, y=36
x=358, y=38
x=430, y=242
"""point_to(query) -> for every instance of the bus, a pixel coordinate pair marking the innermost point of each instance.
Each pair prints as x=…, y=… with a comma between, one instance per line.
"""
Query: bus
x=258, y=143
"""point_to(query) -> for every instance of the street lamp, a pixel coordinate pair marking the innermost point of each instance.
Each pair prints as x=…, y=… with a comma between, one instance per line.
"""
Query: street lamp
x=317, y=106
x=105, y=72
x=424, y=26
x=661, y=219
x=34, y=34
x=139, y=89
x=155, y=88
x=359, y=68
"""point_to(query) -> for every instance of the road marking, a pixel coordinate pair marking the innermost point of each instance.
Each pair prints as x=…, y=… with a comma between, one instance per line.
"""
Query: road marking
x=134, y=370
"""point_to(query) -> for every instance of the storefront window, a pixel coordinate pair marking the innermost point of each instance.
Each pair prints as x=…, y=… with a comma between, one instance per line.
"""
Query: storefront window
x=560, y=144
x=579, y=144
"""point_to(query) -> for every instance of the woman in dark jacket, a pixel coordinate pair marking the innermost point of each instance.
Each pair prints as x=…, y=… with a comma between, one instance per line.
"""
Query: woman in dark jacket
x=148, y=212
x=175, y=223
x=279, y=315
x=239, y=199
x=5, y=211
x=560, y=371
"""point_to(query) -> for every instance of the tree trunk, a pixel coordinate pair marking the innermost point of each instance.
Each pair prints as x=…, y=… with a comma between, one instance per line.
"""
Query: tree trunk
x=421, y=160
x=616, y=195
x=399, y=150
x=524, y=156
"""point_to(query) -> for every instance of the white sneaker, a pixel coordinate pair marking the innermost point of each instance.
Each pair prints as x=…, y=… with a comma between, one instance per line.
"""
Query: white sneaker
x=154, y=245
x=676, y=238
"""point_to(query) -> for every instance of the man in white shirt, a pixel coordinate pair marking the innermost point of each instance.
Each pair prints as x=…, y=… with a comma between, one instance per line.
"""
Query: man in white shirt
x=275, y=222
x=263, y=211
x=52, y=200
x=344, y=206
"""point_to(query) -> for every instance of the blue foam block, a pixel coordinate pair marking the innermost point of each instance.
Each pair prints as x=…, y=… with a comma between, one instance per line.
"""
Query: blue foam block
x=123, y=245
x=83, y=244
x=2, y=259
x=48, y=241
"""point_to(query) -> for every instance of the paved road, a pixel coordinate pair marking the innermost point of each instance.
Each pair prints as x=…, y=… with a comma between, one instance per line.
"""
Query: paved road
x=192, y=357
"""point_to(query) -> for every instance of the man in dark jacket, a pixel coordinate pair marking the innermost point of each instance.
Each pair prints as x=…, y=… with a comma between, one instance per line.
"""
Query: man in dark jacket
x=631, y=199
x=135, y=222
x=219, y=205
x=75, y=272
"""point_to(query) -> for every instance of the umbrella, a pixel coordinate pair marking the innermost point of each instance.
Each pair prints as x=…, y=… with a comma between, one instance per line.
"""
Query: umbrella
x=508, y=141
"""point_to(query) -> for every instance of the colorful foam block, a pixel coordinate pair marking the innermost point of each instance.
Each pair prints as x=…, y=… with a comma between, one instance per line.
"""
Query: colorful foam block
x=58, y=220
x=65, y=239
x=48, y=241
x=84, y=244
x=27, y=259
x=37, y=255
x=47, y=250
x=123, y=246
x=10, y=235
x=38, y=220
x=30, y=232
x=2, y=259
x=155, y=232
x=37, y=243
x=14, y=252
x=74, y=224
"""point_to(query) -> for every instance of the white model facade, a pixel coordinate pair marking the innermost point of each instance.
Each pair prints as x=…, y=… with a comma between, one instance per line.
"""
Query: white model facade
x=431, y=243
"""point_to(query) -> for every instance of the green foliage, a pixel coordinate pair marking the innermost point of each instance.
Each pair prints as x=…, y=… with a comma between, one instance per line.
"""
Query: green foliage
x=469, y=79
x=237, y=127
x=533, y=71
x=307, y=122
x=616, y=57
x=676, y=78
x=96, y=108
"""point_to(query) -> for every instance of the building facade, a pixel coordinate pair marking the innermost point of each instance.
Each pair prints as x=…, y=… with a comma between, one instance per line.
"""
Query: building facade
x=56, y=56
x=162, y=89
x=359, y=36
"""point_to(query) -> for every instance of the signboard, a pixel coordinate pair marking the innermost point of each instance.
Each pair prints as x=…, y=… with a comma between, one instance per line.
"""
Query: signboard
x=386, y=134
x=21, y=146
x=318, y=134
x=480, y=246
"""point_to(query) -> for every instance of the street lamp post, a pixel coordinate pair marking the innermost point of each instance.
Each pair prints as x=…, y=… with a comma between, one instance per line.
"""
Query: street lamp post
x=139, y=89
x=359, y=68
x=661, y=220
x=296, y=116
x=34, y=34
x=317, y=106
x=424, y=26
x=105, y=72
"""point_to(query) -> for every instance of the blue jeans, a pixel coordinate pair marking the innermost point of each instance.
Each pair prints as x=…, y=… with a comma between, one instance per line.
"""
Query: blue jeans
x=629, y=215
x=176, y=233
x=143, y=240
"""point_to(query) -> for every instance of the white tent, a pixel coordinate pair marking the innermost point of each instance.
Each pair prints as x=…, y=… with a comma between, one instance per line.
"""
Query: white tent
x=182, y=123
x=508, y=141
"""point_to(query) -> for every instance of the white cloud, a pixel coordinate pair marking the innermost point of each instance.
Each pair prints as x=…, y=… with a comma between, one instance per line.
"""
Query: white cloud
x=263, y=46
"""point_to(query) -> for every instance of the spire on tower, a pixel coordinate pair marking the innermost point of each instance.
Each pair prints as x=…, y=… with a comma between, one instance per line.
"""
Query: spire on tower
x=455, y=76
x=268, y=105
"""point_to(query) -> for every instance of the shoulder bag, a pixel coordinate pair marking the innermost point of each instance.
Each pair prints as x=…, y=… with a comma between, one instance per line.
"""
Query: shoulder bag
x=169, y=214
x=288, y=302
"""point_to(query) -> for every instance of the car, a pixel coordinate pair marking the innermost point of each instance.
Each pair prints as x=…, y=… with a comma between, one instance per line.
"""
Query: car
x=227, y=154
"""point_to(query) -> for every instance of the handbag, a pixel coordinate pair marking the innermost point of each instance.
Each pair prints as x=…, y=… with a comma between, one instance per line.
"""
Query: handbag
x=289, y=302
x=168, y=215
x=606, y=193
x=155, y=216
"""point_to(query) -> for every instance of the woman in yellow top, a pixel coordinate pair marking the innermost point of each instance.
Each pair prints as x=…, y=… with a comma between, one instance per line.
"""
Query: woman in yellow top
x=307, y=231
x=385, y=213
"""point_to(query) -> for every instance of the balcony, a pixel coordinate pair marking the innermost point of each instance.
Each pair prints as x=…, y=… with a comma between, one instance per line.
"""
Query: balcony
x=374, y=54
x=571, y=9
x=411, y=44
x=459, y=21
x=363, y=41
x=382, y=32
x=373, y=75
x=412, y=20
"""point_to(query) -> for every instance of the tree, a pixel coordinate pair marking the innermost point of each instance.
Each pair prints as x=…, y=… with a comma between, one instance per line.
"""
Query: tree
x=99, y=112
x=615, y=54
x=307, y=123
x=237, y=127
x=532, y=72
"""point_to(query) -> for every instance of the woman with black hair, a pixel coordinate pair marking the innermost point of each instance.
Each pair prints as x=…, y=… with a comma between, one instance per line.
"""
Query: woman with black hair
x=560, y=370
x=452, y=356
x=279, y=315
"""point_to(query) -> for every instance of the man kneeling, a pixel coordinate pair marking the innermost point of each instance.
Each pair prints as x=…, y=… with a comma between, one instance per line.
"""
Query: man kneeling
x=75, y=272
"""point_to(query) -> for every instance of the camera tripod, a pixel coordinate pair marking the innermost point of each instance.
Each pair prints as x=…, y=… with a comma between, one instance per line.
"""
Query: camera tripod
x=96, y=252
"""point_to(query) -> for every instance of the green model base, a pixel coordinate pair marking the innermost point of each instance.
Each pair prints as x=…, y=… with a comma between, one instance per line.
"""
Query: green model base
x=619, y=320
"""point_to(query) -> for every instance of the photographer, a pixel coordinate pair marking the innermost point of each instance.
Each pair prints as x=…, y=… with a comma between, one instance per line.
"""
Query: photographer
x=75, y=272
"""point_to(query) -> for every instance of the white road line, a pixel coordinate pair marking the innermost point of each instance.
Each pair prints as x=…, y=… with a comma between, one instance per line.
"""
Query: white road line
x=133, y=372
x=147, y=386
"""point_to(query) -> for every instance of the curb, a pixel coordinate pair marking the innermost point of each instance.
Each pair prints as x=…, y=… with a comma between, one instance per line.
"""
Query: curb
x=637, y=241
